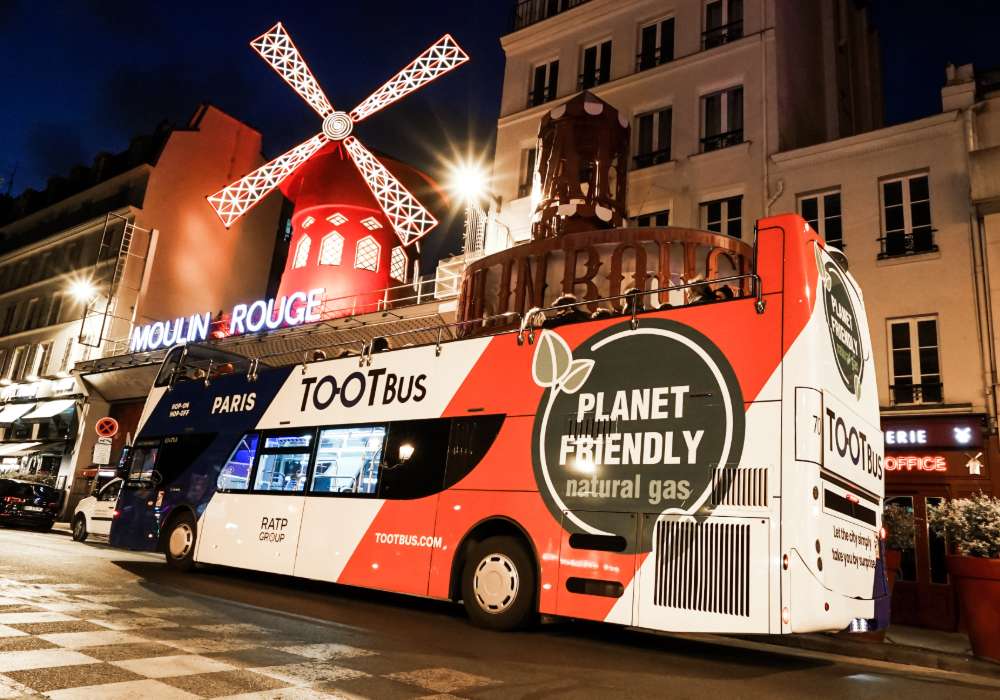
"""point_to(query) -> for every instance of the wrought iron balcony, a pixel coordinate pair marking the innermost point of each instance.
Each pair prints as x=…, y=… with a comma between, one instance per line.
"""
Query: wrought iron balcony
x=723, y=140
x=651, y=59
x=586, y=80
x=645, y=160
x=905, y=394
x=537, y=97
x=528, y=12
x=717, y=36
x=899, y=244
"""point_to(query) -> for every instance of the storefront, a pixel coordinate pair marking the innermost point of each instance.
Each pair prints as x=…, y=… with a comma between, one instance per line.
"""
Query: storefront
x=38, y=428
x=928, y=460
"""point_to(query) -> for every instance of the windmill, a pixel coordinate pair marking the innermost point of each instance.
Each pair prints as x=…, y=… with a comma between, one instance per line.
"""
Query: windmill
x=406, y=215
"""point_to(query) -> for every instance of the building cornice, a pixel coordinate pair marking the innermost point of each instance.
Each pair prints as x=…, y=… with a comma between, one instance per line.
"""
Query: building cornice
x=595, y=12
x=887, y=137
x=61, y=237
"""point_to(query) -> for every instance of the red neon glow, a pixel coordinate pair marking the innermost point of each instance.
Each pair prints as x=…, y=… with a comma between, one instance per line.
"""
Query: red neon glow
x=407, y=216
x=919, y=463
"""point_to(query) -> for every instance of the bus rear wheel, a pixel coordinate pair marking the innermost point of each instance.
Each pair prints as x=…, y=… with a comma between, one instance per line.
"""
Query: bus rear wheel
x=498, y=584
x=179, y=542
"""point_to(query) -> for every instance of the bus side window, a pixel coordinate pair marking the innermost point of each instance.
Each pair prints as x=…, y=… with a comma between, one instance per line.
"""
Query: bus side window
x=348, y=459
x=284, y=461
x=235, y=474
x=415, y=457
x=143, y=460
x=471, y=438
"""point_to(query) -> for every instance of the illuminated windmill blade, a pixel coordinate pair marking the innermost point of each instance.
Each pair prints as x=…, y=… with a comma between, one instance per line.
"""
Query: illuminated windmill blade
x=408, y=217
x=276, y=47
x=444, y=55
x=232, y=202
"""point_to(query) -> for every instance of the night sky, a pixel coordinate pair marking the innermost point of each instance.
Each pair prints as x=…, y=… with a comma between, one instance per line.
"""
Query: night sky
x=82, y=76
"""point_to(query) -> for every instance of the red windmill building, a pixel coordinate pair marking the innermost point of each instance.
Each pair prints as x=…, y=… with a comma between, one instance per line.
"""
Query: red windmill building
x=354, y=220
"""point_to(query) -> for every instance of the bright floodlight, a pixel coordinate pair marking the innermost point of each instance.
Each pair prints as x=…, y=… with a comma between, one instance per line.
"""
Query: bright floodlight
x=82, y=291
x=469, y=182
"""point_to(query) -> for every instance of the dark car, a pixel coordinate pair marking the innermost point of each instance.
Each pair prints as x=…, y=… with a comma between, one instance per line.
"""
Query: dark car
x=28, y=503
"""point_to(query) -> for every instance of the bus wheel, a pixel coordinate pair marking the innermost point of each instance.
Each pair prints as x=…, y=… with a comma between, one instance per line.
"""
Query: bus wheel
x=180, y=542
x=498, y=584
x=80, y=528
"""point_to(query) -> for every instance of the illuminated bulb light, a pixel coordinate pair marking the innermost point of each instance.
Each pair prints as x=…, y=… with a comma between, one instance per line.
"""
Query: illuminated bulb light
x=405, y=451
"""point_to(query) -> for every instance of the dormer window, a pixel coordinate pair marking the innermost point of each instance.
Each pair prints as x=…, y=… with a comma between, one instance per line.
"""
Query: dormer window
x=301, y=253
x=331, y=249
x=367, y=254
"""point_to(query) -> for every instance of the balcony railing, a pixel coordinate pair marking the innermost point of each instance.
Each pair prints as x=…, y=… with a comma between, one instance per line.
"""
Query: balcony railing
x=651, y=59
x=537, y=97
x=723, y=140
x=645, y=160
x=900, y=244
x=928, y=392
x=585, y=80
x=717, y=36
x=528, y=12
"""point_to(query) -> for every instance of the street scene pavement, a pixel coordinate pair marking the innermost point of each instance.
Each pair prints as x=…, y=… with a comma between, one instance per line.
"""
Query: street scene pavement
x=84, y=621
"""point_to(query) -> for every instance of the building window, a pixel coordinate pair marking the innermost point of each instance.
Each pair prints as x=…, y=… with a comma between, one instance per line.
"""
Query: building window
x=723, y=216
x=913, y=361
x=527, y=173
x=336, y=218
x=653, y=142
x=722, y=119
x=331, y=249
x=656, y=218
x=18, y=358
x=544, y=83
x=7, y=326
x=596, y=62
x=55, y=307
x=366, y=254
x=723, y=22
x=301, y=253
x=656, y=44
x=31, y=315
x=308, y=221
x=822, y=212
x=371, y=223
x=906, y=217
x=397, y=264
x=39, y=363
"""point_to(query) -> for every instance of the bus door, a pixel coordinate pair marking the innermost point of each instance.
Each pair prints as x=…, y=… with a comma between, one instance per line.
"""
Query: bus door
x=254, y=518
x=596, y=568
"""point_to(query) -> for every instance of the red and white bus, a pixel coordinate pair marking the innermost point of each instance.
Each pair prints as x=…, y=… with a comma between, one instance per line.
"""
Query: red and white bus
x=713, y=467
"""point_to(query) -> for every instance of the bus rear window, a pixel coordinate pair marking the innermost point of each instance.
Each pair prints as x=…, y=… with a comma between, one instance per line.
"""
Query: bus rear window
x=235, y=474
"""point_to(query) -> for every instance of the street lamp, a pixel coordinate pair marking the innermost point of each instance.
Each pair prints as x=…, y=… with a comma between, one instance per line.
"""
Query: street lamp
x=468, y=179
x=82, y=290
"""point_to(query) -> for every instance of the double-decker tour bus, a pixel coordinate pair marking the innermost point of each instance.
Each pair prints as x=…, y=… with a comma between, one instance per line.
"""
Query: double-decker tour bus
x=710, y=467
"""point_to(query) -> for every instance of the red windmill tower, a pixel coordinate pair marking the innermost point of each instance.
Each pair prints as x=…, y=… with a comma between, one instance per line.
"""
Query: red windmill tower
x=353, y=218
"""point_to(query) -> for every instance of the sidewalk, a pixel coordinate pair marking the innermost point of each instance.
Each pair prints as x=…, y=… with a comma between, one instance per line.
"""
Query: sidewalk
x=913, y=646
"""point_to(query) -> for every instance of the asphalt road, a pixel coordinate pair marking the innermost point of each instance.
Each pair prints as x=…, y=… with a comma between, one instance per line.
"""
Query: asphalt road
x=87, y=621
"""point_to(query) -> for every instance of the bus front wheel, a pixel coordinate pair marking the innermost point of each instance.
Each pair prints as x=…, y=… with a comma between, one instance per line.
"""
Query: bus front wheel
x=179, y=542
x=498, y=584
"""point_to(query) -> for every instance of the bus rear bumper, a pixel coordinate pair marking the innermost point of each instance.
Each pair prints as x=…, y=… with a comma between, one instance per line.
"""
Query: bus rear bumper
x=812, y=607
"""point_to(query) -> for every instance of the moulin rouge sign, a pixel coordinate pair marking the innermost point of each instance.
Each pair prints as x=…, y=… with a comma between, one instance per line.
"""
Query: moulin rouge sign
x=270, y=314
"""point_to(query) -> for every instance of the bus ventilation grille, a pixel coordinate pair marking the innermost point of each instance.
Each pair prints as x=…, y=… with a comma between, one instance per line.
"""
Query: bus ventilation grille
x=740, y=487
x=703, y=566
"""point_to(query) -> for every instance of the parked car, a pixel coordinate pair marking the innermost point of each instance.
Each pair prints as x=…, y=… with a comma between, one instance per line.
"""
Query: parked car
x=28, y=503
x=94, y=513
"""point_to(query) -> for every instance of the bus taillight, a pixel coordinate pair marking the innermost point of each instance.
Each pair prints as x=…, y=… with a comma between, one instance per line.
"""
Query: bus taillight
x=114, y=516
x=882, y=532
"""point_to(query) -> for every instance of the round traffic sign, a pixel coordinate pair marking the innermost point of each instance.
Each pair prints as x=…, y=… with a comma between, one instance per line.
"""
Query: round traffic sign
x=106, y=427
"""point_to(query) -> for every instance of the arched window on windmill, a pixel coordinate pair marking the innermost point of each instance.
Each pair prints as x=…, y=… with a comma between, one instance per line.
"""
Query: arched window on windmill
x=331, y=249
x=367, y=254
x=301, y=252
x=397, y=264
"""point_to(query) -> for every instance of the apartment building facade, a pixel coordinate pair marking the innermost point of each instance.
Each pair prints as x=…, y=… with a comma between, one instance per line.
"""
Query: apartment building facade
x=127, y=240
x=743, y=109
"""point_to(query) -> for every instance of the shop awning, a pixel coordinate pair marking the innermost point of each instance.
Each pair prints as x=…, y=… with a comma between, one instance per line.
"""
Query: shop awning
x=14, y=411
x=47, y=409
x=13, y=449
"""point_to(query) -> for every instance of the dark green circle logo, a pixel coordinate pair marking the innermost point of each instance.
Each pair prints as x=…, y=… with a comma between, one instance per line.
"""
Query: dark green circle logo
x=844, y=332
x=633, y=421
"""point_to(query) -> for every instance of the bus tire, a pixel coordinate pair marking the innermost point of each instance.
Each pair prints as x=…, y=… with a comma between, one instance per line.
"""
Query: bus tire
x=80, y=528
x=179, y=541
x=498, y=584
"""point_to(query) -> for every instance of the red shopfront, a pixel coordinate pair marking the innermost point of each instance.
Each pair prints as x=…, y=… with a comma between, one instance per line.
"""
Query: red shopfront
x=928, y=460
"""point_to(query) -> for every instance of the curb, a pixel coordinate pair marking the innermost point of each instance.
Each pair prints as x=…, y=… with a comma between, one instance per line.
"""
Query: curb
x=885, y=651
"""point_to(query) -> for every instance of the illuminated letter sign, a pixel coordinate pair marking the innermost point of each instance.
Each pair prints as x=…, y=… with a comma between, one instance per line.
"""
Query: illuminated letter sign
x=919, y=463
x=293, y=310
